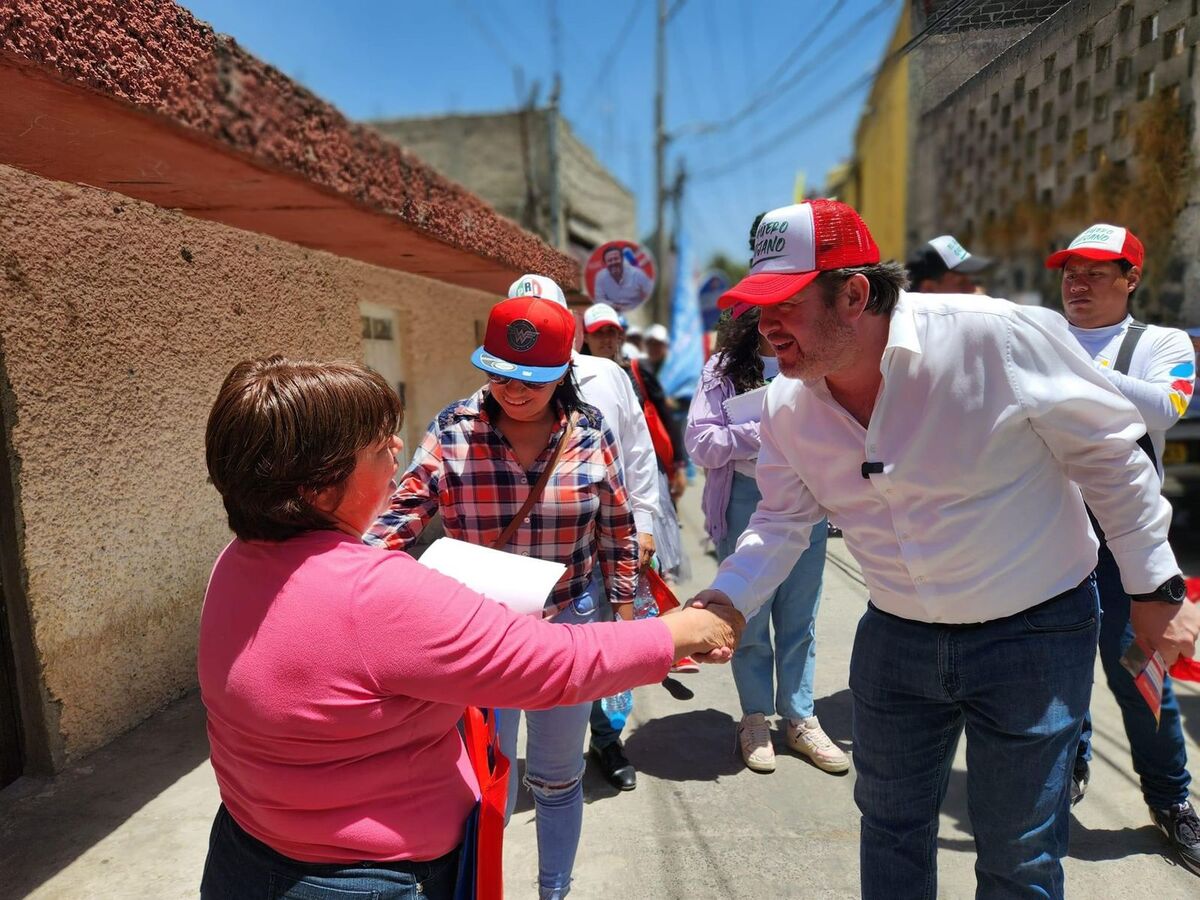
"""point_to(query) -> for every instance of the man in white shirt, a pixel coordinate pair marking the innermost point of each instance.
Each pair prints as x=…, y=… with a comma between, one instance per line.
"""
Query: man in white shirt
x=604, y=385
x=946, y=434
x=1155, y=369
x=620, y=286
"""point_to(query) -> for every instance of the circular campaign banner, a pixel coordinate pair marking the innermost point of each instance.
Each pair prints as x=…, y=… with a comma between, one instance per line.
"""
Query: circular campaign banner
x=621, y=274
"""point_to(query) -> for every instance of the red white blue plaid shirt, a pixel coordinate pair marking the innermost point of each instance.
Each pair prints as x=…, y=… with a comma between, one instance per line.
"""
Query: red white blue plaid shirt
x=466, y=468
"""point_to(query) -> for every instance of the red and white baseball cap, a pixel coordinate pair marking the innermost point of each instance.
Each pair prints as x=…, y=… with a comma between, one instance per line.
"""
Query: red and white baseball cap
x=1104, y=242
x=598, y=315
x=527, y=338
x=795, y=244
x=537, y=286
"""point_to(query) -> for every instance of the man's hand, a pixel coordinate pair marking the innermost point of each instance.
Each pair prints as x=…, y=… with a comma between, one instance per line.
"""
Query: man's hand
x=645, y=549
x=1168, y=628
x=704, y=600
x=679, y=481
x=702, y=632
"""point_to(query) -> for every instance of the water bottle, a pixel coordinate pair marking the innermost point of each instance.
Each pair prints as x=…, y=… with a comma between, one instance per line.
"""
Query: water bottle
x=644, y=604
x=617, y=708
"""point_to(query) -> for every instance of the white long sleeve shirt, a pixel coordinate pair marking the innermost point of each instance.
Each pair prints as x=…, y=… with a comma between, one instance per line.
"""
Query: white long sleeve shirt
x=1162, y=372
x=605, y=386
x=988, y=417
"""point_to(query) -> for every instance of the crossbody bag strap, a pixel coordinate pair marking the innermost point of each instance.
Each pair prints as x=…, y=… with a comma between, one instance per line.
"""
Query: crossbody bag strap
x=538, y=489
x=1129, y=343
x=637, y=373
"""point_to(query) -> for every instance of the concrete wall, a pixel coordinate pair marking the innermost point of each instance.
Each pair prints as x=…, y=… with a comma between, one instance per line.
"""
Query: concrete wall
x=118, y=321
x=1006, y=157
x=505, y=159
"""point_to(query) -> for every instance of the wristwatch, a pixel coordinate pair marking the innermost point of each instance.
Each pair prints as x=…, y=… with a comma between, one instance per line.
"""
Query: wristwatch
x=1173, y=591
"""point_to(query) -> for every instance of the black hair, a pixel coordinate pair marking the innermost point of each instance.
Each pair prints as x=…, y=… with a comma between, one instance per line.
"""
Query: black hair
x=738, y=341
x=887, y=280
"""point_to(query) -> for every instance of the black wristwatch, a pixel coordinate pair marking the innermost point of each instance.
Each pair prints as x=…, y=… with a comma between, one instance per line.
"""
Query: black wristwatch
x=1173, y=590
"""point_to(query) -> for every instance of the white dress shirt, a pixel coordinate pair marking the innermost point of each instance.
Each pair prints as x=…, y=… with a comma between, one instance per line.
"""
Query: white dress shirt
x=632, y=290
x=988, y=417
x=605, y=386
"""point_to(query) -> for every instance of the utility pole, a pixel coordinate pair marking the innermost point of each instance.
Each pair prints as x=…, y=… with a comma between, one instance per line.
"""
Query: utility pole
x=660, y=152
x=557, y=234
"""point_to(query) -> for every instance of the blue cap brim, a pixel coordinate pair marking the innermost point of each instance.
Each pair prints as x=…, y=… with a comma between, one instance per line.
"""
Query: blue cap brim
x=483, y=360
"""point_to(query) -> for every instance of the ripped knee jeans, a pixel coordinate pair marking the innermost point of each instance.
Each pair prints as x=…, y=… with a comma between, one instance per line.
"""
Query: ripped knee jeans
x=553, y=774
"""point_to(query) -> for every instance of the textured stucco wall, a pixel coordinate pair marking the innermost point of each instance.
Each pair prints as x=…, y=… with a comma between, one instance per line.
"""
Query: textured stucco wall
x=118, y=321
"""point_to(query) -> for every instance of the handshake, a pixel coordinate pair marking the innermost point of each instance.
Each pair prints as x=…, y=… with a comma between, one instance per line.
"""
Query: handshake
x=708, y=629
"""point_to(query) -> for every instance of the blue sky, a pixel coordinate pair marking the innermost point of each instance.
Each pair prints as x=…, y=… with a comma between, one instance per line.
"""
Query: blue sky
x=769, y=66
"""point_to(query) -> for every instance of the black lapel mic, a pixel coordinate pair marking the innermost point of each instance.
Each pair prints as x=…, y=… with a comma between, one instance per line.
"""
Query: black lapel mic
x=871, y=468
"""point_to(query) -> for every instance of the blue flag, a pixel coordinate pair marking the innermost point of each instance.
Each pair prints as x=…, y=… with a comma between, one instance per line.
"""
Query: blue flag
x=685, y=360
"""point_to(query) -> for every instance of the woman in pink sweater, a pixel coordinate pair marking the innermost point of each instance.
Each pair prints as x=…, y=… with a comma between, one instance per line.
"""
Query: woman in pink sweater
x=334, y=674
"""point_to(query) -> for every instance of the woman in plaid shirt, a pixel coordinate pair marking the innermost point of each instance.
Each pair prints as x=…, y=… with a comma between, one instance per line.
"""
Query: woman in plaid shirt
x=476, y=465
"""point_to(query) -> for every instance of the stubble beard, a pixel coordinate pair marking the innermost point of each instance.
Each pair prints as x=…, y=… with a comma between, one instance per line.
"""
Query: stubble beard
x=832, y=349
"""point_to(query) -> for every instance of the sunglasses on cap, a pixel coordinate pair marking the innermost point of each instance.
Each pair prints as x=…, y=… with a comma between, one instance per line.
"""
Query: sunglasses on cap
x=501, y=380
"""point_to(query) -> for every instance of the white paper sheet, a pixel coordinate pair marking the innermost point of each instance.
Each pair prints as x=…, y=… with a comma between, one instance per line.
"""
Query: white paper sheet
x=522, y=583
x=747, y=407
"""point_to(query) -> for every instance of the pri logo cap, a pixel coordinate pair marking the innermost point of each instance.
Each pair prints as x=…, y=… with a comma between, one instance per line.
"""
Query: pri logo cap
x=537, y=286
x=1104, y=242
x=527, y=338
x=795, y=244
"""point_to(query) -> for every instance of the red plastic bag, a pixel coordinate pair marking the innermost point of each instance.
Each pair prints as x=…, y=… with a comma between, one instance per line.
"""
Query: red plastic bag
x=1185, y=668
x=491, y=771
x=664, y=599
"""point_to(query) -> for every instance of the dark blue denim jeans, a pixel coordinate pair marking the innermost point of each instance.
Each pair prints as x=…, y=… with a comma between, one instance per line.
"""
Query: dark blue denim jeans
x=239, y=867
x=1019, y=687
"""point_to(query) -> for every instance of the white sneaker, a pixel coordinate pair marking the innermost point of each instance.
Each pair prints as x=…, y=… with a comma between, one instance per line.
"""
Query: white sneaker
x=807, y=738
x=754, y=738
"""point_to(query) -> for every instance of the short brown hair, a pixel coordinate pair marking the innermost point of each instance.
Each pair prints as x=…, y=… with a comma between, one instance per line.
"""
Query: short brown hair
x=281, y=428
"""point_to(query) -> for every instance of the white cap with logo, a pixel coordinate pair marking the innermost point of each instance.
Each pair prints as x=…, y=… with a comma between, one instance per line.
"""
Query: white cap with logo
x=537, y=286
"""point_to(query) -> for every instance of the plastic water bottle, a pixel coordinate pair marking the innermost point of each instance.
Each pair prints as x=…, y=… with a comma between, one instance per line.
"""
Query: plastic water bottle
x=617, y=708
x=644, y=604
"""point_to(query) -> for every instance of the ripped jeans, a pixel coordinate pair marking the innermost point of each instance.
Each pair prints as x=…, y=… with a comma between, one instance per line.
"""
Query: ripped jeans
x=553, y=771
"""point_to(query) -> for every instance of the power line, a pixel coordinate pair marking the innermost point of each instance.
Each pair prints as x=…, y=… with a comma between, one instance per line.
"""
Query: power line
x=815, y=116
x=611, y=56
x=771, y=93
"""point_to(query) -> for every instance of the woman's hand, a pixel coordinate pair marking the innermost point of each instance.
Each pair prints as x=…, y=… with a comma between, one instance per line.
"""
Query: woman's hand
x=698, y=631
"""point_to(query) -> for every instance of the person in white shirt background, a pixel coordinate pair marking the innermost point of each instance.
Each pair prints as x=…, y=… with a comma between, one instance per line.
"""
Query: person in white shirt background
x=950, y=436
x=619, y=285
x=1155, y=369
x=604, y=385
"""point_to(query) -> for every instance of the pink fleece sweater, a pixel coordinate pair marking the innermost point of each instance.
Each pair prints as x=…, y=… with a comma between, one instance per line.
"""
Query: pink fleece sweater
x=334, y=674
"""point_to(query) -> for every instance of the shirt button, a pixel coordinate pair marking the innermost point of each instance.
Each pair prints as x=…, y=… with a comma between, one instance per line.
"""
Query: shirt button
x=524, y=552
x=920, y=579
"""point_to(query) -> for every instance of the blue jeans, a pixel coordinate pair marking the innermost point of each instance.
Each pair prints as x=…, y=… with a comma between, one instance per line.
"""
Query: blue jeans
x=1158, y=751
x=604, y=732
x=553, y=772
x=239, y=866
x=792, y=609
x=1019, y=686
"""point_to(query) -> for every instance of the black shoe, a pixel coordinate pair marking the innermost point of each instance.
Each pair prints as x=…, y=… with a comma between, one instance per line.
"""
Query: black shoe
x=1181, y=825
x=1079, y=780
x=616, y=768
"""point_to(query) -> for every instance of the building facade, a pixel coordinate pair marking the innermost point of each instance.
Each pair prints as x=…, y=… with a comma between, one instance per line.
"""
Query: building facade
x=170, y=206
x=1089, y=117
x=531, y=167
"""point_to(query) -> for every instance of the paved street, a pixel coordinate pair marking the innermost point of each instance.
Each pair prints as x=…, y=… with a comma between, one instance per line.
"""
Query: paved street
x=132, y=820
